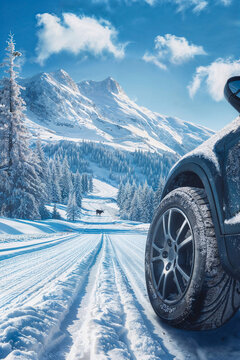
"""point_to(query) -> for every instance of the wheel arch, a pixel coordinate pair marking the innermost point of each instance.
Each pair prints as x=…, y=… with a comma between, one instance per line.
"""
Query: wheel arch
x=191, y=174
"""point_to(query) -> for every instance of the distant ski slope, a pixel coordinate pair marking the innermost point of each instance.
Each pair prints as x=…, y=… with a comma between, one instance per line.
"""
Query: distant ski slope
x=82, y=295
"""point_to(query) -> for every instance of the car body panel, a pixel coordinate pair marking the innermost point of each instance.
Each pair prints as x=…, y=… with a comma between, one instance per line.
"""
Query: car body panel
x=215, y=166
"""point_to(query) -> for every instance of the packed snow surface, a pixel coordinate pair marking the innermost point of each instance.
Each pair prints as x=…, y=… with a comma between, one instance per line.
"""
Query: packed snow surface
x=81, y=294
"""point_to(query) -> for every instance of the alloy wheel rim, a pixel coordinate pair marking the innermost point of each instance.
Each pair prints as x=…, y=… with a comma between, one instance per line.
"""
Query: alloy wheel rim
x=172, y=255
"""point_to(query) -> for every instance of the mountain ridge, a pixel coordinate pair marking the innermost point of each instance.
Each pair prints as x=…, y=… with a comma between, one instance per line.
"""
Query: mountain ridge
x=100, y=111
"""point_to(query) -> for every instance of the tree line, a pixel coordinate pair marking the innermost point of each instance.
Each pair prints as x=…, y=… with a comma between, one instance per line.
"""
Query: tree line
x=66, y=187
x=122, y=166
x=138, y=203
x=28, y=180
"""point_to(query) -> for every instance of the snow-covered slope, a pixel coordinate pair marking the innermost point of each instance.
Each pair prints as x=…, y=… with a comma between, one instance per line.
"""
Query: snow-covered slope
x=58, y=108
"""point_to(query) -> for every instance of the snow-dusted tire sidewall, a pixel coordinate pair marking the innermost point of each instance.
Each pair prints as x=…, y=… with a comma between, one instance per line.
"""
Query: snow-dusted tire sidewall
x=212, y=296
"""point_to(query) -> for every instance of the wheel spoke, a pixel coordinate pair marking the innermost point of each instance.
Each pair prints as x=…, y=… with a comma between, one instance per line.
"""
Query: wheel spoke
x=160, y=279
x=181, y=229
x=169, y=221
x=172, y=258
x=177, y=282
x=182, y=272
x=158, y=249
x=164, y=226
x=185, y=242
x=164, y=286
x=156, y=258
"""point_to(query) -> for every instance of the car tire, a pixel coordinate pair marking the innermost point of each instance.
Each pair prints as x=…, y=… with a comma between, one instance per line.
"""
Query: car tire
x=186, y=284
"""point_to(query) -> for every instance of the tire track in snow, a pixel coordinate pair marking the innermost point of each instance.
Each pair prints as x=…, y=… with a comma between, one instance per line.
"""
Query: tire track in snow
x=130, y=253
x=23, y=283
x=143, y=342
x=9, y=253
x=5, y=263
x=25, y=333
x=113, y=326
x=101, y=333
x=72, y=323
x=23, y=278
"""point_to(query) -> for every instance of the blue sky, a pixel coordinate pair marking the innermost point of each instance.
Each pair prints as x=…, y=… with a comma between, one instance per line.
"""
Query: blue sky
x=172, y=56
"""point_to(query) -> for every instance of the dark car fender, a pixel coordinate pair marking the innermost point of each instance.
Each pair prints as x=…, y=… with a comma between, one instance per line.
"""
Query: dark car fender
x=197, y=171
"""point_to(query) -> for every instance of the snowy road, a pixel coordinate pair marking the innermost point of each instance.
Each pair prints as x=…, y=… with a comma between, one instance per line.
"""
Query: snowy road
x=81, y=295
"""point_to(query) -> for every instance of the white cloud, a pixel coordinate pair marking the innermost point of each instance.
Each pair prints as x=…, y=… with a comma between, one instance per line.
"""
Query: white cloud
x=173, y=49
x=150, y=2
x=75, y=34
x=225, y=2
x=196, y=6
x=153, y=59
x=200, y=6
x=214, y=76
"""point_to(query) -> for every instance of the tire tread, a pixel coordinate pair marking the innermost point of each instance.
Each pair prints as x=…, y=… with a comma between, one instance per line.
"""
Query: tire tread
x=219, y=289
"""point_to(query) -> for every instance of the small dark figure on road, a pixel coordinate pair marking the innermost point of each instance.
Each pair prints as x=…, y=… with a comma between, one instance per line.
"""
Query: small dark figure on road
x=99, y=212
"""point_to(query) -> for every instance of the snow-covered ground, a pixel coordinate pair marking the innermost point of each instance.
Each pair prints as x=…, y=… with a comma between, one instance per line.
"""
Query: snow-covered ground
x=81, y=294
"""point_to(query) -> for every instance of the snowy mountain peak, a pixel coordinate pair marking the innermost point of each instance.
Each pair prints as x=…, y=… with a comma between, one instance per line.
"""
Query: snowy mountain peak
x=107, y=87
x=111, y=85
x=63, y=78
x=101, y=111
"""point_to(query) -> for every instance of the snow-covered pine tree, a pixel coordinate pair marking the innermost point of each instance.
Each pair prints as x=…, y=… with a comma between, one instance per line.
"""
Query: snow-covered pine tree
x=135, y=210
x=49, y=181
x=90, y=183
x=125, y=193
x=140, y=200
x=145, y=204
x=120, y=194
x=20, y=184
x=84, y=183
x=73, y=211
x=3, y=135
x=158, y=194
x=129, y=194
x=42, y=160
x=124, y=210
x=58, y=165
x=150, y=202
x=42, y=172
x=73, y=179
x=78, y=189
x=66, y=185
x=146, y=200
x=136, y=203
x=55, y=213
x=55, y=188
